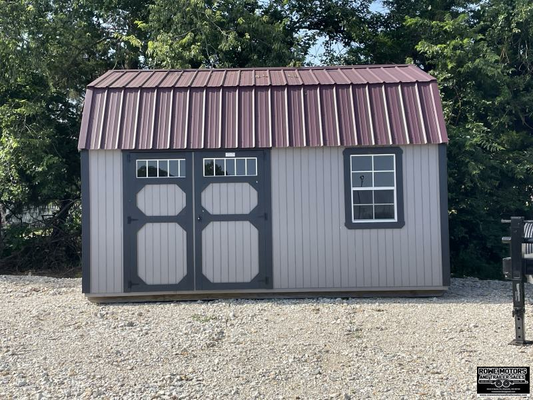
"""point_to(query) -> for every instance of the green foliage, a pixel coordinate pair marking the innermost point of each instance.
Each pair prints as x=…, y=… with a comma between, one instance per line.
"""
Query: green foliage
x=482, y=61
x=239, y=33
x=37, y=245
x=336, y=25
x=480, y=52
x=395, y=41
x=49, y=51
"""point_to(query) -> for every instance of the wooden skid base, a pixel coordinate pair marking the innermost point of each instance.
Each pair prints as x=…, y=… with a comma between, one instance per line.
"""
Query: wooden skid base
x=149, y=297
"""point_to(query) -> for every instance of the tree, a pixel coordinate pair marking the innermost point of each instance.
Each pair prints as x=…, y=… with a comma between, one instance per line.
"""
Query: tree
x=483, y=61
x=480, y=52
x=336, y=25
x=49, y=51
x=213, y=33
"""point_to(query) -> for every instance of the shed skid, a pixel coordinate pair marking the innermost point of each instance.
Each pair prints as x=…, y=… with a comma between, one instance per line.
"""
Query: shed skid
x=266, y=294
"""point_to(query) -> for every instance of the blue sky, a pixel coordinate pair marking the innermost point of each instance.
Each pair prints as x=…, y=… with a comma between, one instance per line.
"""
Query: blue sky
x=318, y=48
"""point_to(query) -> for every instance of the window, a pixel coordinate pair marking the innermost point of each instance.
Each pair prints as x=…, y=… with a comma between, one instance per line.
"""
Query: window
x=234, y=166
x=161, y=168
x=373, y=188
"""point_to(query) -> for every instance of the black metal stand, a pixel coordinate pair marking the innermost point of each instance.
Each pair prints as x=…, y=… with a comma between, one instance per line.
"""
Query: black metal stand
x=516, y=271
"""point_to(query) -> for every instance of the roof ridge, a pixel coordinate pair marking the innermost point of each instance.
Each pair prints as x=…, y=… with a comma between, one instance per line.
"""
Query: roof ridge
x=314, y=67
x=364, y=74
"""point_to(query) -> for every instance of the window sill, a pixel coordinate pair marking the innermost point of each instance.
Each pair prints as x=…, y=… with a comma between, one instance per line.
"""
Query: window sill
x=375, y=225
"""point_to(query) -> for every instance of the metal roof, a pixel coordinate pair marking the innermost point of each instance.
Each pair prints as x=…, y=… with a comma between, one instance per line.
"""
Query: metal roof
x=262, y=107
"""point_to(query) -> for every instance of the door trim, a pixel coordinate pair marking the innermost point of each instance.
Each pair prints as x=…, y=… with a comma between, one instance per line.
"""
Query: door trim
x=260, y=217
x=135, y=219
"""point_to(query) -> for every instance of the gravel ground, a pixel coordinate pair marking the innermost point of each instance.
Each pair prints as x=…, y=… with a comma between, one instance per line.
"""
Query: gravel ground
x=56, y=344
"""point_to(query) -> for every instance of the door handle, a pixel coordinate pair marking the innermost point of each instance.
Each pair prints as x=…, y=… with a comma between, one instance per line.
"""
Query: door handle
x=130, y=219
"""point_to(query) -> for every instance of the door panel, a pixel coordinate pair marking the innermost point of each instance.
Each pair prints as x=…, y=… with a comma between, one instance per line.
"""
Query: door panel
x=230, y=251
x=158, y=228
x=159, y=257
x=161, y=200
x=232, y=227
x=229, y=198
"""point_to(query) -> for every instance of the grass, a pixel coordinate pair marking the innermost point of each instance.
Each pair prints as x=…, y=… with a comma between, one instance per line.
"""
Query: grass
x=203, y=318
x=53, y=273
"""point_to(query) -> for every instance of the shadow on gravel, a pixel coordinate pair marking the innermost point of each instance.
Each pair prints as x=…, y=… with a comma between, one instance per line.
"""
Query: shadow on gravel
x=493, y=292
x=461, y=291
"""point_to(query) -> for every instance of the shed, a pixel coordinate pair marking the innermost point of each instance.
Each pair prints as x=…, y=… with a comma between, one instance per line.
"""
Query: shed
x=265, y=181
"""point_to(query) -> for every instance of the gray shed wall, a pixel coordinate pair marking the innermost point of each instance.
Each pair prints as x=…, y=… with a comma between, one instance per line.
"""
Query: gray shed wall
x=313, y=249
x=106, y=227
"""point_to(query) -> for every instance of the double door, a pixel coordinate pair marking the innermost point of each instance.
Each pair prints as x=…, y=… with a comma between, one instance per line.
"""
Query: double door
x=197, y=221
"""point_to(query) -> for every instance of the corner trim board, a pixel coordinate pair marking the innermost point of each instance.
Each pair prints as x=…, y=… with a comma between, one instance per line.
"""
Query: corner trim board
x=444, y=223
x=85, y=224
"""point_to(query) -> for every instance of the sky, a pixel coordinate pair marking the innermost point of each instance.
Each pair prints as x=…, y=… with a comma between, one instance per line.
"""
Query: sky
x=315, y=51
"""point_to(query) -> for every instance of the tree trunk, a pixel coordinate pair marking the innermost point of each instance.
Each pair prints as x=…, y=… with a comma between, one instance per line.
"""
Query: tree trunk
x=60, y=218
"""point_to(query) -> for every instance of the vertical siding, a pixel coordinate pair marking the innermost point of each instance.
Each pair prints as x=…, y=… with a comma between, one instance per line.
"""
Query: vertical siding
x=106, y=221
x=230, y=251
x=229, y=198
x=313, y=249
x=162, y=200
x=161, y=258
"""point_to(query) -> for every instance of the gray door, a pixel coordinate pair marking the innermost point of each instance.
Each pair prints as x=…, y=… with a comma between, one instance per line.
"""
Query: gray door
x=233, y=247
x=158, y=228
x=216, y=236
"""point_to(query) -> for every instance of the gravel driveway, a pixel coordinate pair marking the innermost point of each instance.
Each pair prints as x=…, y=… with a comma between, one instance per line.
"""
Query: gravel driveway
x=56, y=344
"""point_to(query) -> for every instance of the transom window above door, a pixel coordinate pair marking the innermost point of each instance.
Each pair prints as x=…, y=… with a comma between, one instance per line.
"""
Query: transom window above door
x=230, y=166
x=373, y=188
x=161, y=168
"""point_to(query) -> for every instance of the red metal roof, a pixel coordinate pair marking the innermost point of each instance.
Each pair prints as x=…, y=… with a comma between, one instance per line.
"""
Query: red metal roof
x=262, y=107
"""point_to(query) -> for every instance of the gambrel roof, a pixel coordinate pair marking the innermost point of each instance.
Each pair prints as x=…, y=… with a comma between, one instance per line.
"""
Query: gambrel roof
x=262, y=108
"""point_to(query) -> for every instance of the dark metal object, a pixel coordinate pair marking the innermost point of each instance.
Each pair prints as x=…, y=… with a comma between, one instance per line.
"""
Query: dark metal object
x=85, y=224
x=444, y=227
x=508, y=221
x=507, y=268
x=516, y=268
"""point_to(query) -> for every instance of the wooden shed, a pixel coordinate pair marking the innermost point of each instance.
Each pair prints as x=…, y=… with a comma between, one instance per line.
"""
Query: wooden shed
x=266, y=181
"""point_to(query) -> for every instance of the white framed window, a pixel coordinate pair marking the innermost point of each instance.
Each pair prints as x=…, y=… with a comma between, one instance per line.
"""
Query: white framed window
x=373, y=183
x=373, y=188
x=161, y=168
x=230, y=166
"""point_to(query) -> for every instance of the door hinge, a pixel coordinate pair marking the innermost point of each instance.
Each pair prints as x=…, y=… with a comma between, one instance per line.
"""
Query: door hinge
x=130, y=284
x=129, y=157
x=265, y=216
x=266, y=280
